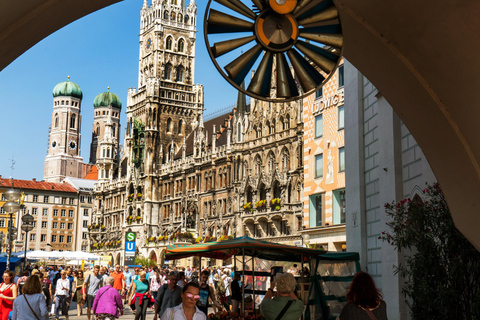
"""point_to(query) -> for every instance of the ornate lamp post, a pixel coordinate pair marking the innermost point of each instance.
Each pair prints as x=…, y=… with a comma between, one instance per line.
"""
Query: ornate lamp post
x=27, y=226
x=11, y=206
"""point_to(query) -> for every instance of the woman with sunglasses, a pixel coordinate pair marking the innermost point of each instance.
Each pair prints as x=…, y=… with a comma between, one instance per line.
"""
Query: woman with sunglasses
x=8, y=293
x=78, y=285
x=187, y=310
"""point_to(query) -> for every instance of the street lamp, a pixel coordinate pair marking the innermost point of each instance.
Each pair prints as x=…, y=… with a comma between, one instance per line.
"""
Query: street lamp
x=27, y=226
x=11, y=206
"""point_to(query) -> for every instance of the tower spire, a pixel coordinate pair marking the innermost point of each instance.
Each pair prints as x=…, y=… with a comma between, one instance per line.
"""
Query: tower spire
x=241, y=100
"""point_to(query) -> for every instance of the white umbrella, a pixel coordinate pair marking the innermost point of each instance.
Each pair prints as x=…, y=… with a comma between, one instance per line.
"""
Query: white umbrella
x=80, y=255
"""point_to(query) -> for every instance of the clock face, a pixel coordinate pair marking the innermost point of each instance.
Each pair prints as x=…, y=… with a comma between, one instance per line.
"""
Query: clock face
x=72, y=145
x=54, y=144
x=148, y=44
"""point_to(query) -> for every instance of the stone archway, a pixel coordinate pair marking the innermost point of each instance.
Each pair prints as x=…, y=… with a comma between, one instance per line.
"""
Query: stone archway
x=118, y=259
x=153, y=256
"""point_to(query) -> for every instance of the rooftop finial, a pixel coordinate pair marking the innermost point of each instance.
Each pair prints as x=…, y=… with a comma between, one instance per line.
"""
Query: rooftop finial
x=68, y=77
x=108, y=88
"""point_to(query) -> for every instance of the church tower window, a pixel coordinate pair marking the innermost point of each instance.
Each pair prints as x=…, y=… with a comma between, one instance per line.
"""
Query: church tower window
x=180, y=125
x=180, y=74
x=98, y=129
x=239, y=134
x=165, y=15
x=56, y=120
x=168, y=71
x=169, y=125
x=72, y=121
x=172, y=15
x=181, y=45
x=169, y=42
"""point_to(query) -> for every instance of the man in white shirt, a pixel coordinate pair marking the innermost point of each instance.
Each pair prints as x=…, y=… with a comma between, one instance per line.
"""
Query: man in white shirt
x=62, y=292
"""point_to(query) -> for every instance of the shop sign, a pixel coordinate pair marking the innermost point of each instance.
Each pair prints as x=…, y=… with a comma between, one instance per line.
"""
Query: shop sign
x=331, y=101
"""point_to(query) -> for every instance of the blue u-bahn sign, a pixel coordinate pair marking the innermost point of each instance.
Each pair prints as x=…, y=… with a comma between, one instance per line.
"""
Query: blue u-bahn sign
x=130, y=238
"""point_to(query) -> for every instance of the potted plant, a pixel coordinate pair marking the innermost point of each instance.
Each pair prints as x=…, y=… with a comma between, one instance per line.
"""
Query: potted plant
x=139, y=195
x=261, y=204
x=130, y=219
x=275, y=203
x=138, y=218
x=248, y=206
x=130, y=197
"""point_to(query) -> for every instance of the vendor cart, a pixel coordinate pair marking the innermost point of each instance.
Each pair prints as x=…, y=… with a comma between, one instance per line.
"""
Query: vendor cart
x=322, y=290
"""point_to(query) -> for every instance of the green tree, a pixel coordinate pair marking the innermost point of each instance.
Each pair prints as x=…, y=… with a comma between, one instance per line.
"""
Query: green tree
x=442, y=269
x=145, y=262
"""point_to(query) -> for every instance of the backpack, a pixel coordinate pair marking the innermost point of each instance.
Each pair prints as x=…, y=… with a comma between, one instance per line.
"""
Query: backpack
x=221, y=287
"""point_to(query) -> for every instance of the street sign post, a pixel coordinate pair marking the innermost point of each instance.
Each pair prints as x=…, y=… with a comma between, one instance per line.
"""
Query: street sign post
x=130, y=247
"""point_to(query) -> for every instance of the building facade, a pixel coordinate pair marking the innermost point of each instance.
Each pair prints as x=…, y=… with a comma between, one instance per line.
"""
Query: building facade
x=385, y=164
x=54, y=207
x=183, y=179
x=324, y=170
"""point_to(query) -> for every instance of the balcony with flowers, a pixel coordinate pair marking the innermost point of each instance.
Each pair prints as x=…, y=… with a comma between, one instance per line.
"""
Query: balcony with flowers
x=111, y=244
x=132, y=218
x=177, y=237
x=94, y=228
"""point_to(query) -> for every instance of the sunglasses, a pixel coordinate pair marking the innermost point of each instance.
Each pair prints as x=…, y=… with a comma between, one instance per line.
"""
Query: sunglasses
x=191, y=295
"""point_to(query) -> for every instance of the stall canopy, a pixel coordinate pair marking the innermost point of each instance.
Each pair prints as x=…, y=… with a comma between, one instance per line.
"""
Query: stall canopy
x=227, y=248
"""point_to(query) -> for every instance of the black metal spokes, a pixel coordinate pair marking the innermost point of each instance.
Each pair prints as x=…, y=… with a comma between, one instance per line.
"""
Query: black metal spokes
x=277, y=35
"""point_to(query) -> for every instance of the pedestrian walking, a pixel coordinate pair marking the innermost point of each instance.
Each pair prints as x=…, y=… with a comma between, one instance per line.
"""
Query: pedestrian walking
x=62, y=293
x=187, y=310
x=206, y=293
x=32, y=303
x=140, y=297
x=108, y=302
x=78, y=283
x=169, y=295
x=8, y=293
x=90, y=288
x=155, y=282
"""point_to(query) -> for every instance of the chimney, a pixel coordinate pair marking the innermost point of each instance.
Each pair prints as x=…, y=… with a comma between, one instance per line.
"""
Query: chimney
x=34, y=179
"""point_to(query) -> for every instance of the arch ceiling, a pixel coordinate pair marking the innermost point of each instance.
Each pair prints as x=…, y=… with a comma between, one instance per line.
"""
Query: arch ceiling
x=24, y=23
x=421, y=55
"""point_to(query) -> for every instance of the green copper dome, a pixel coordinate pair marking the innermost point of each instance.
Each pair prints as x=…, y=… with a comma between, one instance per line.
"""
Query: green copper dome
x=107, y=99
x=68, y=89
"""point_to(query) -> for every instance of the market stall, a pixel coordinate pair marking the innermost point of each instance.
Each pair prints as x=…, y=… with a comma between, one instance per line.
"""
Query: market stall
x=254, y=259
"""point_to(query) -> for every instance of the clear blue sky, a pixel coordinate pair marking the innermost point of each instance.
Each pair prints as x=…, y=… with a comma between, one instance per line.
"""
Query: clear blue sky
x=98, y=51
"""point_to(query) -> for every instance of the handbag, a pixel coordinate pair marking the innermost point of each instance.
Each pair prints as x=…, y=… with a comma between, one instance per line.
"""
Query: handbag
x=31, y=307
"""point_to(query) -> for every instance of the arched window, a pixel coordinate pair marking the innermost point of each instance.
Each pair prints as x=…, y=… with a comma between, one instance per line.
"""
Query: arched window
x=239, y=133
x=168, y=71
x=72, y=121
x=286, y=124
x=113, y=130
x=179, y=18
x=169, y=126
x=172, y=15
x=56, y=120
x=180, y=74
x=271, y=162
x=165, y=15
x=169, y=42
x=98, y=129
x=181, y=45
x=186, y=19
x=180, y=127
x=285, y=160
x=258, y=165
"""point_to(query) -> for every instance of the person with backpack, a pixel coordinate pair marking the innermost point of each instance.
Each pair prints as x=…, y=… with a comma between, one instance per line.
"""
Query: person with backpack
x=168, y=296
x=91, y=286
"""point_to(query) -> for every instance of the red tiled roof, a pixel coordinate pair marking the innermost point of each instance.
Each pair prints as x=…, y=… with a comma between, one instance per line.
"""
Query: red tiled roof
x=36, y=185
x=92, y=174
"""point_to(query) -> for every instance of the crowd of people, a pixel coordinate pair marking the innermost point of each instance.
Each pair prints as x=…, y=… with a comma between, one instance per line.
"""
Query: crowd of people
x=185, y=294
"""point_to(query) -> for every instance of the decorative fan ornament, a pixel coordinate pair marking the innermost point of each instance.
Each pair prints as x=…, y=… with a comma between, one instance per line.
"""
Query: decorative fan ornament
x=280, y=35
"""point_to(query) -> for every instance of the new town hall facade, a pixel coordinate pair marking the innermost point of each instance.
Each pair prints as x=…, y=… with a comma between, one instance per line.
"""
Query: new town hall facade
x=183, y=179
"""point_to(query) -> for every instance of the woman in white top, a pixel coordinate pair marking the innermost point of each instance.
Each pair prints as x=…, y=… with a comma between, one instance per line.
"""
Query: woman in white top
x=32, y=304
x=187, y=310
x=62, y=291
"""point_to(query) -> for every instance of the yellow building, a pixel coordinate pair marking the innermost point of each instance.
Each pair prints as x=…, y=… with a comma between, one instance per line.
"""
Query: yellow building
x=324, y=165
x=4, y=222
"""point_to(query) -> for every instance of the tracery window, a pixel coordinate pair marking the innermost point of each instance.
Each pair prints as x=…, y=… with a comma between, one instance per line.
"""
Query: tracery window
x=169, y=43
x=181, y=45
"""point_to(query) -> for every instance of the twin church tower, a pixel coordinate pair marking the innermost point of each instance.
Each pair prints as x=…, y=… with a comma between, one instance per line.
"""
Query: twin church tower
x=63, y=157
x=163, y=110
